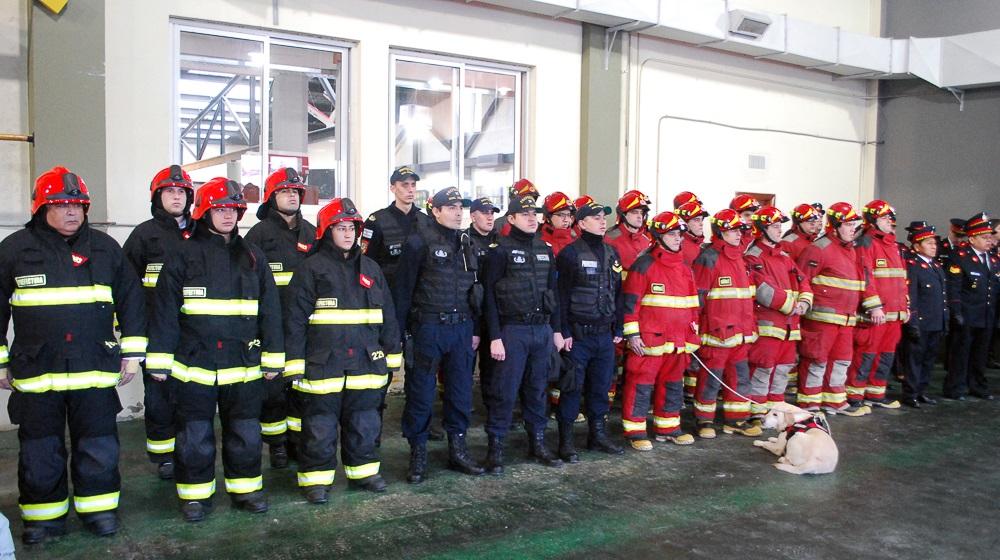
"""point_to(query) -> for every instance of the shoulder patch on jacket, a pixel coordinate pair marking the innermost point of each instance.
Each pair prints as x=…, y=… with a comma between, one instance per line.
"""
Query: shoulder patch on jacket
x=864, y=241
x=754, y=251
x=822, y=242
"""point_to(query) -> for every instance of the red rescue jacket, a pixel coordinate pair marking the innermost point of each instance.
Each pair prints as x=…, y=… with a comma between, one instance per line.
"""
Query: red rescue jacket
x=727, y=319
x=776, y=279
x=832, y=281
x=661, y=303
x=879, y=257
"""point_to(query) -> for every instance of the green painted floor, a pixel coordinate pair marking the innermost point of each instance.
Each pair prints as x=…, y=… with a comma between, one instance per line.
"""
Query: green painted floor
x=911, y=484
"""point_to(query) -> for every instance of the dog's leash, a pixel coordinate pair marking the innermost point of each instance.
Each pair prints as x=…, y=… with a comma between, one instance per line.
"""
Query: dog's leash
x=819, y=417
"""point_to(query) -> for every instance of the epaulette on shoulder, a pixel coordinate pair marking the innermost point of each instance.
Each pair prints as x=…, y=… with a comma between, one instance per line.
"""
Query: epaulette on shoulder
x=613, y=234
x=864, y=241
x=754, y=251
x=708, y=257
x=822, y=242
x=642, y=263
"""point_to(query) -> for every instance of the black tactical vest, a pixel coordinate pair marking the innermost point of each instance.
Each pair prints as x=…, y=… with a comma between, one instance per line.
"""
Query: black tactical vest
x=447, y=276
x=524, y=290
x=395, y=230
x=591, y=301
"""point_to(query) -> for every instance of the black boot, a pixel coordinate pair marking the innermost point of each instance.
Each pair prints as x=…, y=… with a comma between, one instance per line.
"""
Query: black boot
x=102, y=524
x=195, y=511
x=598, y=439
x=435, y=433
x=38, y=531
x=540, y=452
x=494, y=457
x=252, y=502
x=458, y=456
x=373, y=483
x=318, y=494
x=165, y=470
x=566, y=450
x=418, y=463
x=278, y=455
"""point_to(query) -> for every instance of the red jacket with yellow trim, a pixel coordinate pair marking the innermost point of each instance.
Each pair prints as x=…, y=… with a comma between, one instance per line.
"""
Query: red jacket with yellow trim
x=885, y=270
x=691, y=247
x=661, y=303
x=63, y=295
x=832, y=281
x=557, y=238
x=776, y=279
x=340, y=321
x=794, y=242
x=723, y=282
x=628, y=244
x=218, y=315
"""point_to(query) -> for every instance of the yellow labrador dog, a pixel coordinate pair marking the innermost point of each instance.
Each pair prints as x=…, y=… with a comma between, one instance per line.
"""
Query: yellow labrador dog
x=804, y=444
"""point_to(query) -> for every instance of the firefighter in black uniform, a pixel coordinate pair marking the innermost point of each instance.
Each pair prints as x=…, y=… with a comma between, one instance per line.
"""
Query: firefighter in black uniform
x=63, y=283
x=385, y=233
x=592, y=308
x=171, y=194
x=482, y=215
x=341, y=341
x=217, y=323
x=437, y=295
x=522, y=318
x=928, y=313
x=286, y=238
x=973, y=287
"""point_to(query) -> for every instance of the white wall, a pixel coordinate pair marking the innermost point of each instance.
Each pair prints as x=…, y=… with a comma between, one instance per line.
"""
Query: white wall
x=139, y=74
x=672, y=81
x=14, y=156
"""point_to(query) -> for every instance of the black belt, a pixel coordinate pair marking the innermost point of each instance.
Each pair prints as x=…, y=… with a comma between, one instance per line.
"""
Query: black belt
x=442, y=318
x=526, y=319
x=580, y=329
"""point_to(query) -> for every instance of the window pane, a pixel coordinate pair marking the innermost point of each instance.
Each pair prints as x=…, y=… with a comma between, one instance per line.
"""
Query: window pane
x=425, y=119
x=489, y=114
x=305, y=126
x=219, y=106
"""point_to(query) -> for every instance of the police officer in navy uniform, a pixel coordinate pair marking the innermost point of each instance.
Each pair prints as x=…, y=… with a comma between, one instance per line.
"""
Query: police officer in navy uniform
x=437, y=296
x=482, y=215
x=522, y=318
x=973, y=287
x=593, y=311
x=928, y=313
x=386, y=231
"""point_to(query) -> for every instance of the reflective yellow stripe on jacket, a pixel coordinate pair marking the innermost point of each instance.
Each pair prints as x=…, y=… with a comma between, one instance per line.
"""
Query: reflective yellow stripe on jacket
x=235, y=307
x=346, y=317
x=677, y=302
x=842, y=283
x=731, y=293
x=73, y=295
x=92, y=379
x=226, y=376
x=889, y=273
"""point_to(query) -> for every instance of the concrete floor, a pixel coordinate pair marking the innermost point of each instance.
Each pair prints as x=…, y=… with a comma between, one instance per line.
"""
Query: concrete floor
x=922, y=484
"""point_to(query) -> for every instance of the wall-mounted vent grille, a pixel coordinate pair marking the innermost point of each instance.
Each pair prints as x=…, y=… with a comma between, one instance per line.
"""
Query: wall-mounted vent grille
x=757, y=161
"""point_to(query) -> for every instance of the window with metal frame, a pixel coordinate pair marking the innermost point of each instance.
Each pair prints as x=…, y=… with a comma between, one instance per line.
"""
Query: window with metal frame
x=234, y=87
x=457, y=122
